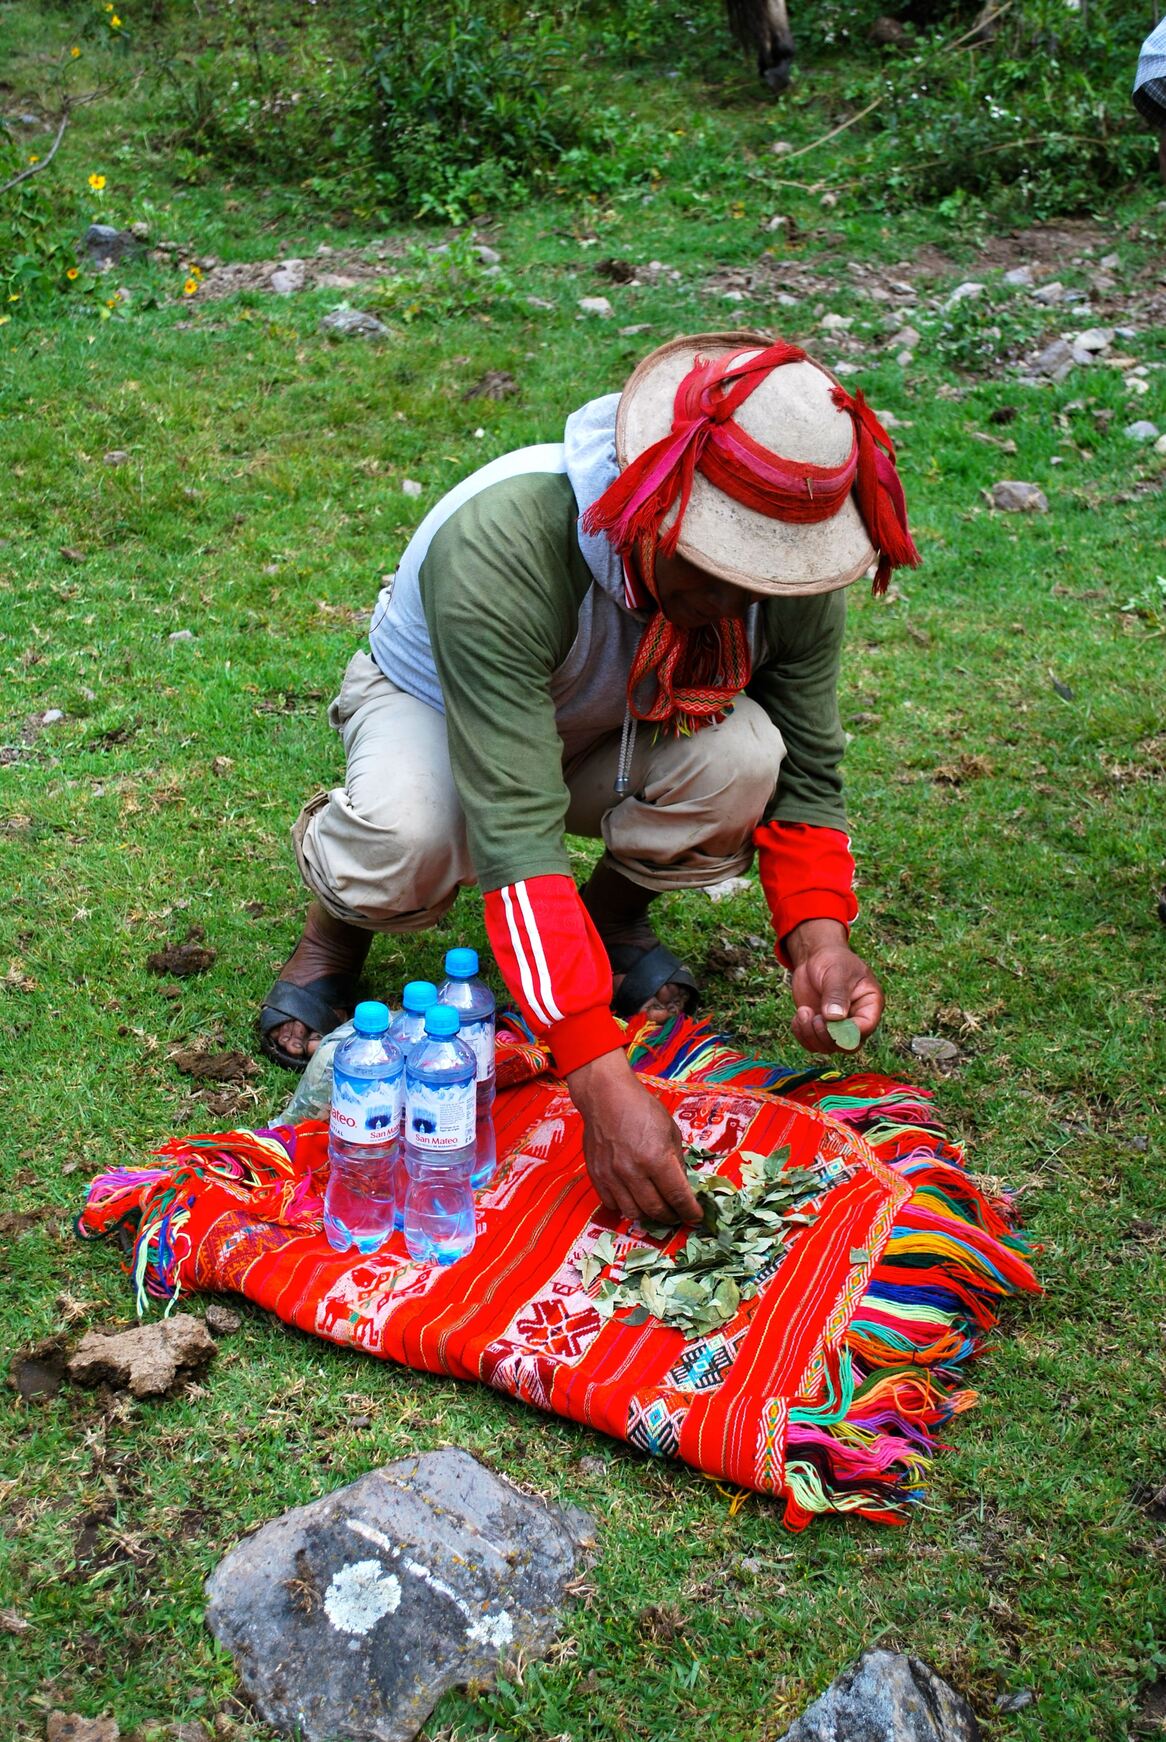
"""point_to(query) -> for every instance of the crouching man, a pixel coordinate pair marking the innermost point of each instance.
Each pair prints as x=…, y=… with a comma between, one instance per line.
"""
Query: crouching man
x=632, y=634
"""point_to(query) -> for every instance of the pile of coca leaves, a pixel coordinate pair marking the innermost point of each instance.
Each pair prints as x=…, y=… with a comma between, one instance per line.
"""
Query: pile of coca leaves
x=698, y=1286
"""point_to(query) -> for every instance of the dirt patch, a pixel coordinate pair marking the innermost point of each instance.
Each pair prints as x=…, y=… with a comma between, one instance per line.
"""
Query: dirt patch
x=214, y=1067
x=193, y=956
x=149, y=1360
x=338, y=269
x=38, y=1372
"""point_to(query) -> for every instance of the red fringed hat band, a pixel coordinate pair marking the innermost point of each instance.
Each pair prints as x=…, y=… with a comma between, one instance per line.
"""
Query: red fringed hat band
x=698, y=672
x=705, y=438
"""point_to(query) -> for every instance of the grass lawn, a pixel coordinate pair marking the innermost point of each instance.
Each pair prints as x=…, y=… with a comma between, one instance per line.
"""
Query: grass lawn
x=1005, y=781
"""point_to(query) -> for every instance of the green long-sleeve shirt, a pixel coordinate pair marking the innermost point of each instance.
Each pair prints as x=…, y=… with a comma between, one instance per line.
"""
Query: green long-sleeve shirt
x=503, y=586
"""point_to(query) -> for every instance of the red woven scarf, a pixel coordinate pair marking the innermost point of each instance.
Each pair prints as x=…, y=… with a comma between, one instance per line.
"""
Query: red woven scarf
x=699, y=671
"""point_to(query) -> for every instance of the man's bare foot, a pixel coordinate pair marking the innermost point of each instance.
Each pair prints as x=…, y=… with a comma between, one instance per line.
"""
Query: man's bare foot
x=327, y=948
x=619, y=911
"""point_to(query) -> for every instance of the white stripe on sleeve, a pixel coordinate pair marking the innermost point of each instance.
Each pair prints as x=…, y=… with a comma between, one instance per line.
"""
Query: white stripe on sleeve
x=540, y=960
x=524, y=973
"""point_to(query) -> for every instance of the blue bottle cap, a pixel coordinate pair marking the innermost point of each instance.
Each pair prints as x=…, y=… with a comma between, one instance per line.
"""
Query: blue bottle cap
x=418, y=996
x=461, y=964
x=371, y=1017
x=441, y=1021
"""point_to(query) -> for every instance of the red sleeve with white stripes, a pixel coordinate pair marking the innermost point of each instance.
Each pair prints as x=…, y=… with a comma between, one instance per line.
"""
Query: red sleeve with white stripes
x=806, y=872
x=554, y=966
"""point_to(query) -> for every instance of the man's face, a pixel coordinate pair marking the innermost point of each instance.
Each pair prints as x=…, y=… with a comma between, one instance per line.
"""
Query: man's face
x=692, y=598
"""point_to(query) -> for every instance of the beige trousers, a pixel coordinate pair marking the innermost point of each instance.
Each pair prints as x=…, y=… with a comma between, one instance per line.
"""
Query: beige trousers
x=387, y=850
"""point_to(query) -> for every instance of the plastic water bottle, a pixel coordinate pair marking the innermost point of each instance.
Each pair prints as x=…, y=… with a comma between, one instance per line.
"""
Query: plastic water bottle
x=440, y=1152
x=408, y=1027
x=364, y=1133
x=473, y=1000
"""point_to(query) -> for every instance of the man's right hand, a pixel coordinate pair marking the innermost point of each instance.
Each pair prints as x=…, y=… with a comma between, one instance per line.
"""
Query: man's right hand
x=632, y=1147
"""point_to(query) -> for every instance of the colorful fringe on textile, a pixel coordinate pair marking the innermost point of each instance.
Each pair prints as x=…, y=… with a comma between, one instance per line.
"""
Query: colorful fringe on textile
x=831, y=1387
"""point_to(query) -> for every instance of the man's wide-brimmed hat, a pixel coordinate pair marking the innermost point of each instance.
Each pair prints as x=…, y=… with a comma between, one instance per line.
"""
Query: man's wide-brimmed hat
x=781, y=480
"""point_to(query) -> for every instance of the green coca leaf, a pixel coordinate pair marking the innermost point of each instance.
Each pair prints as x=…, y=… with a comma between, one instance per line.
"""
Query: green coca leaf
x=845, y=1034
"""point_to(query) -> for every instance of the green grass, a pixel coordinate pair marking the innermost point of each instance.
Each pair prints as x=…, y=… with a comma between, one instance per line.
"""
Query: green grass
x=1009, y=844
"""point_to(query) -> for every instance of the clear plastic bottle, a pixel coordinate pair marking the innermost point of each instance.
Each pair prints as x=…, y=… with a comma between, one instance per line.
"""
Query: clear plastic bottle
x=440, y=1152
x=364, y=1133
x=470, y=996
x=408, y=1027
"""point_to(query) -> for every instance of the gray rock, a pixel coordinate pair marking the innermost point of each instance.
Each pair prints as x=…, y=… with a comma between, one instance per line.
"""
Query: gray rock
x=1142, y=431
x=116, y=457
x=352, y=323
x=487, y=255
x=1094, y=339
x=103, y=245
x=1019, y=275
x=887, y=1697
x=352, y=1616
x=934, y=1048
x=965, y=292
x=1050, y=293
x=1055, y=361
x=596, y=305
x=288, y=278
x=905, y=339
x=1013, y=497
x=52, y=716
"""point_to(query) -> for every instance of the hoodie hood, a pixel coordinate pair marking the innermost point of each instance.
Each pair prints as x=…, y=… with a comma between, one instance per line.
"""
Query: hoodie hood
x=590, y=463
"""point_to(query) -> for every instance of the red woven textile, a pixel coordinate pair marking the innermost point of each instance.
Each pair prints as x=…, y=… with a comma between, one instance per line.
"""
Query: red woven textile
x=773, y=1401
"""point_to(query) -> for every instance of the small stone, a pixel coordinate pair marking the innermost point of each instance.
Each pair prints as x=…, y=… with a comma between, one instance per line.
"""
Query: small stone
x=907, y=338
x=727, y=888
x=596, y=305
x=1019, y=275
x=1050, y=293
x=834, y=323
x=778, y=222
x=52, y=716
x=13, y=1623
x=352, y=323
x=1094, y=339
x=785, y=300
x=1134, y=384
x=222, y=1320
x=288, y=277
x=781, y=148
x=103, y=245
x=72, y=1727
x=887, y=1697
x=410, y=487
x=487, y=255
x=935, y=1049
x=539, y=302
x=352, y=1615
x=1160, y=445
x=116, y=457
x=1142, y=431
x=181, y=635
x=1013, y=497
x=150, y=1360
x=847, y=369
x=966, y=292
x=1055, y=361
x=828, y=201
x=633, y=331
x=1110, y=262
x=733, y=295
x=1016, y=1702
x=904, y=359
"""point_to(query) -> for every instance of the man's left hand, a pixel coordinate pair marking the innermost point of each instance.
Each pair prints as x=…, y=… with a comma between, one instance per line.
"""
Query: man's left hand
x=830, y=983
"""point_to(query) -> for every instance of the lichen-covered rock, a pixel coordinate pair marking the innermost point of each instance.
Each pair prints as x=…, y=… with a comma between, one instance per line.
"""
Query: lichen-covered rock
x=887, y=1697
x=353, y=1615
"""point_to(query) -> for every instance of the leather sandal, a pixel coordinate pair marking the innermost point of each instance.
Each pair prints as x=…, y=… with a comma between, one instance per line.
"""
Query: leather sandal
x=315, y=1005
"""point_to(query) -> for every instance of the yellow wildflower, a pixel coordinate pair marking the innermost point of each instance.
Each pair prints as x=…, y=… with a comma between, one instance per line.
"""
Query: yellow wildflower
x=15, y=297
x=71, y=272
x=34, y=158
x=112, y=301
x=97, y=182
x=75, y=52
x=190, y=287
x=115, y=22
x=4, y=320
